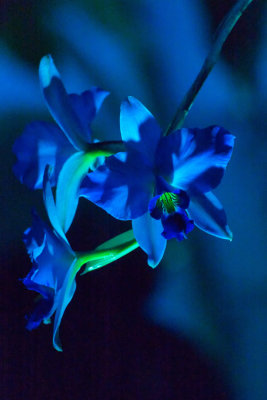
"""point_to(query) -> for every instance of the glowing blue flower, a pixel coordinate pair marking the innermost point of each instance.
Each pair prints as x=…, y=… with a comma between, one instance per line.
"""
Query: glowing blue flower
x=45, y=143
x=54, y=268
x=162, y=183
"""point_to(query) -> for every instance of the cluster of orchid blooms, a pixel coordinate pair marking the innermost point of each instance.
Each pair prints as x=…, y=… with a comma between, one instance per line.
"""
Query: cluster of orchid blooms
x=162, y=183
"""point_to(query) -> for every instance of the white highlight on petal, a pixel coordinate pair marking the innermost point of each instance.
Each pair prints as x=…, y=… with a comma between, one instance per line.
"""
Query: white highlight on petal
x=139, y=129
x=185, y=172
x=47, y=70
x=188, y=144
x=133, y=109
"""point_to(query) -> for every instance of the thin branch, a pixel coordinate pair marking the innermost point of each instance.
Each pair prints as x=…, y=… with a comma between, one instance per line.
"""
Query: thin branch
x=223, y=32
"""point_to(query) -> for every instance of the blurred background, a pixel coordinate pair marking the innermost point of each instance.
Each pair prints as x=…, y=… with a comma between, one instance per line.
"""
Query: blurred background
x=196, y=326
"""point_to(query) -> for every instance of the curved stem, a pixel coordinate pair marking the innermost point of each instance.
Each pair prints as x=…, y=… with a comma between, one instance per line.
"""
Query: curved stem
x=223, y=32
x=107, y=253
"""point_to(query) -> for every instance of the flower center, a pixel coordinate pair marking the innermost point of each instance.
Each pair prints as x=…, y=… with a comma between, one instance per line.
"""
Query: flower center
x=168, y=202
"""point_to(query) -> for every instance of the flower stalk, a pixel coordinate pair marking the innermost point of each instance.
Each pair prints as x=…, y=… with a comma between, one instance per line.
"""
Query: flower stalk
x=223, y=32
x=100, y=258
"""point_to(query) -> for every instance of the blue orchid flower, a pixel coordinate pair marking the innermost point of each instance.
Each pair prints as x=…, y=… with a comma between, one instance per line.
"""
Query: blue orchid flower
x=55, y=266
x=163, y=183
x=45, y=143
x=53, y=261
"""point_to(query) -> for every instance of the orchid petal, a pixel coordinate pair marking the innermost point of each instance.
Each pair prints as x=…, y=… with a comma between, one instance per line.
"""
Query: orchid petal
x=154, y=209
x=139, y=129
x=34, y=237
x=195, y=159
x=44, y=304
x=40, y=144
x=86, y=105
x=49, y=252
x=64, y=297
x=41, y=311
x=122, y=186
x=67, y=193
x=50, y=206
x=52, y=258
x=147, y=231
x=208, y=215
x=59, y=104
x=177, y=225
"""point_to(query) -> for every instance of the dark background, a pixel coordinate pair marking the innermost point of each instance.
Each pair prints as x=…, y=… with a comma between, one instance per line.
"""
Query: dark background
x=195, y=327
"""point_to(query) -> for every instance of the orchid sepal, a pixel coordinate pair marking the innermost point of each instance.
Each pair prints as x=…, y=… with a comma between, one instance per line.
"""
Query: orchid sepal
x=59, y=104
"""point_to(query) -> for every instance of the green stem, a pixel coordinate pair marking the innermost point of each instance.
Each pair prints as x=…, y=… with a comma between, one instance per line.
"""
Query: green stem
x=224, y=30
x=101, y=257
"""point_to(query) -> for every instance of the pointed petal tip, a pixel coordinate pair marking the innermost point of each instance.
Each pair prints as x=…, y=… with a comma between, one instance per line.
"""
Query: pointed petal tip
x=130, y=101
x=230, y=139
x=56, y=343
x=226, y=234
x=57, y=348
x=126, y=102
x=47, y=70
x=229, y=235
x=133, y=108
x=152, y=263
